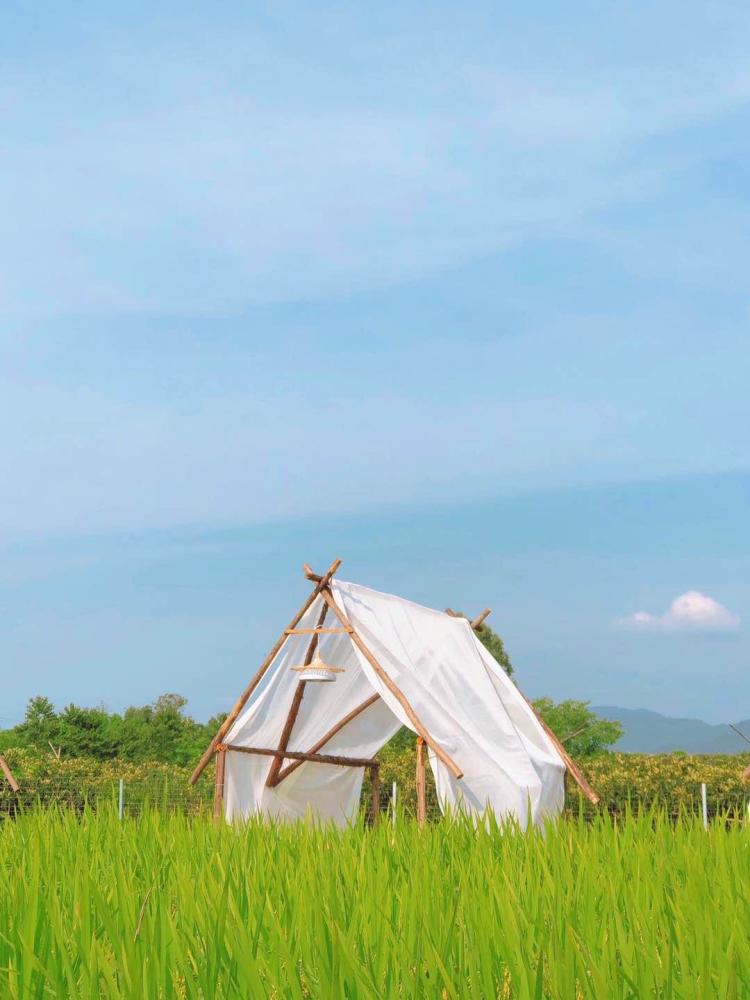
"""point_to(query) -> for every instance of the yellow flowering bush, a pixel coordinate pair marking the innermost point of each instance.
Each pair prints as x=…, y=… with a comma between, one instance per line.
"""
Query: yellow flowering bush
x=672, y=781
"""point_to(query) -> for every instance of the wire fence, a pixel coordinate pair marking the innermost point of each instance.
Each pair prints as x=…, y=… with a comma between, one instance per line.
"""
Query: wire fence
x=131, y=796
x=707, y=787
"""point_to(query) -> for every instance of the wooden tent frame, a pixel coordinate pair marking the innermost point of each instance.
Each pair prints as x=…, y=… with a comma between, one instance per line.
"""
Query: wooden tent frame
x=5, y=768
x=278, y=770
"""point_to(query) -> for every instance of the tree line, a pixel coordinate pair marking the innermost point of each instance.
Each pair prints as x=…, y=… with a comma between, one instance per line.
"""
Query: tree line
x=161, y=731
x=165, y=733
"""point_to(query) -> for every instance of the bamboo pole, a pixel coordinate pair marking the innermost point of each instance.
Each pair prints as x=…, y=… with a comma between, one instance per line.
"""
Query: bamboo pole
x=299, y=694
x=392, y=687
x=375, y=782
x=421, y=783
x=317, y=631
x=477, y=622
x=318, y=758
x=8, y=774
x=573, y=769
x=319, y=744
x=221, y=761
x=241, y=701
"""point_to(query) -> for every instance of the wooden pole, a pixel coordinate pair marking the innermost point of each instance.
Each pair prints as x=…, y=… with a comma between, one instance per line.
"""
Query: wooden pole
x=392, y=687
x=573, y=769
x=299, y=694
x=221, y=760
x=375, y=782
x=8, y=774
x=319, y=744
x=318, y=758
x=241, y=701
x=421, y=785
x=477, y=622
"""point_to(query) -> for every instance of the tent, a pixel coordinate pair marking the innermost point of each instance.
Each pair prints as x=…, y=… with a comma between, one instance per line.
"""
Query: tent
x=293, y=746
x=8, y=773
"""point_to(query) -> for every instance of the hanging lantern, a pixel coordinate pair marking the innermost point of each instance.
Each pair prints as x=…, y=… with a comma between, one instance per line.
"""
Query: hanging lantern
x=317, y=670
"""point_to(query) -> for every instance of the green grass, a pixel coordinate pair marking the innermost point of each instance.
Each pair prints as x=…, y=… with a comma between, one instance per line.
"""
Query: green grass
x=168, y=906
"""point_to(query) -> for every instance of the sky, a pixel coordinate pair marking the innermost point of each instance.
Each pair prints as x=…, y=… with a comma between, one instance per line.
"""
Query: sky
x=457, y=294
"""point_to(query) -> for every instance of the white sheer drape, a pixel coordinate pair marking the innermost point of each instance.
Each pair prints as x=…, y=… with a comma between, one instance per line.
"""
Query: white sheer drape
x=460, y=694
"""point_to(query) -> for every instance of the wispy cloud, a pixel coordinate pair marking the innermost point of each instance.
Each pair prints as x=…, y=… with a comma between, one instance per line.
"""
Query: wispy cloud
x=243, y=171
x=691, y=611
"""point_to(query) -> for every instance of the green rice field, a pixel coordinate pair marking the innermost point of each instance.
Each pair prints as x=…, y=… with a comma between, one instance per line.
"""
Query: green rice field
x=171, y=906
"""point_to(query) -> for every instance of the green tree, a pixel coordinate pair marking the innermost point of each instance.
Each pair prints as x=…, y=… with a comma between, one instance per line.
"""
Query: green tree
x=495, y=645
x=40, y=725
x=88, y=732
x=161, y=732
x=582, y=732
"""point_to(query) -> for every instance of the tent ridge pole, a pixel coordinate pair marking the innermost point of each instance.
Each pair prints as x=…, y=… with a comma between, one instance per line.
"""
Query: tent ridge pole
x=241, y=701
x=392, y=686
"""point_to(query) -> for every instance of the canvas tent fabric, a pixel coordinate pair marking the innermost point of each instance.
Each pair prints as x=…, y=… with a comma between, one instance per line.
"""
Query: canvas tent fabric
x=461, y=695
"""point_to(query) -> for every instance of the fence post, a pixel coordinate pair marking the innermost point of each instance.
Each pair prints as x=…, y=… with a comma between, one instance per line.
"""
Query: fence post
x=120, y=798
x=704, y=804
x=394, y=790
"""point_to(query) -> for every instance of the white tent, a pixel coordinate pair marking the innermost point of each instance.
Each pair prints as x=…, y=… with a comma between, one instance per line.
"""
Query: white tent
x=292, y=748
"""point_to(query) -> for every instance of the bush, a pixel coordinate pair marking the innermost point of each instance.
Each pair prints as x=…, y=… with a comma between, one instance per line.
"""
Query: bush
x=671, y=781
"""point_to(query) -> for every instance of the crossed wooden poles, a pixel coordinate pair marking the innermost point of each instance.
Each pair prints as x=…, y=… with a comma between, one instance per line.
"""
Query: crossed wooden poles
x=278, y=771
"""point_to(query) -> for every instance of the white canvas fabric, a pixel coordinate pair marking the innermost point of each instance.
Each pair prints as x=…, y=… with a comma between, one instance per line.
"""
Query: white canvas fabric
x=461, y=695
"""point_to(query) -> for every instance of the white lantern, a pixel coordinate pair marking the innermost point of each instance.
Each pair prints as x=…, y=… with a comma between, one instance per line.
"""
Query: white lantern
x=317, y=670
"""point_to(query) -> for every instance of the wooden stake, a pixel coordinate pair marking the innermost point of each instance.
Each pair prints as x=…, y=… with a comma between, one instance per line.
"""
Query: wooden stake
x=375, y=782
x=299, y=694
x=221, y=760
x=392, y=687
x=421, y=785
x=241, y=701
x=8, y=774
x=319, y=744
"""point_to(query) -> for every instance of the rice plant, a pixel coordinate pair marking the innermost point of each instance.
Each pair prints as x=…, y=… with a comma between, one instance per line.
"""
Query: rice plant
x=169, y=906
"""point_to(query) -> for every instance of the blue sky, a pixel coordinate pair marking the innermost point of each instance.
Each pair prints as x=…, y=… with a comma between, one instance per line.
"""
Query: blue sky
x=458, y=295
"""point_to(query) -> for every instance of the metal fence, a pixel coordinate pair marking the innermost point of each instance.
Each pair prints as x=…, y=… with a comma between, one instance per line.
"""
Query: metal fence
x=168, y=790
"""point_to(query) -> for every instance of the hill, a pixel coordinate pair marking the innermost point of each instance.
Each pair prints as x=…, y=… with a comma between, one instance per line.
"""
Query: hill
x=650, y=732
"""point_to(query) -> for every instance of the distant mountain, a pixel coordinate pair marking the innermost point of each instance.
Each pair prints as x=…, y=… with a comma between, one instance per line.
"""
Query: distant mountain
x=650, y=732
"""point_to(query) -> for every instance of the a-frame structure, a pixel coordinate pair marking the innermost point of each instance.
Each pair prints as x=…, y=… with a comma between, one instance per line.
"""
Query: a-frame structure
x=5, y=768
x=279, y=769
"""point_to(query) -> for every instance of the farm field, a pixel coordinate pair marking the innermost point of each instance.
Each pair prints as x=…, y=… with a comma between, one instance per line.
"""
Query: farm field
x=167, y=905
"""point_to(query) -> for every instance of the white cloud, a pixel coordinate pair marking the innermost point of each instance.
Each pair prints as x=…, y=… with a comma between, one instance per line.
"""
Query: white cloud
x=691, y=611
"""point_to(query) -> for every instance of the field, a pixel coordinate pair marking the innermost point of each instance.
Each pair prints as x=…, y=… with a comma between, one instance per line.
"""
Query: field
x=169, y=906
